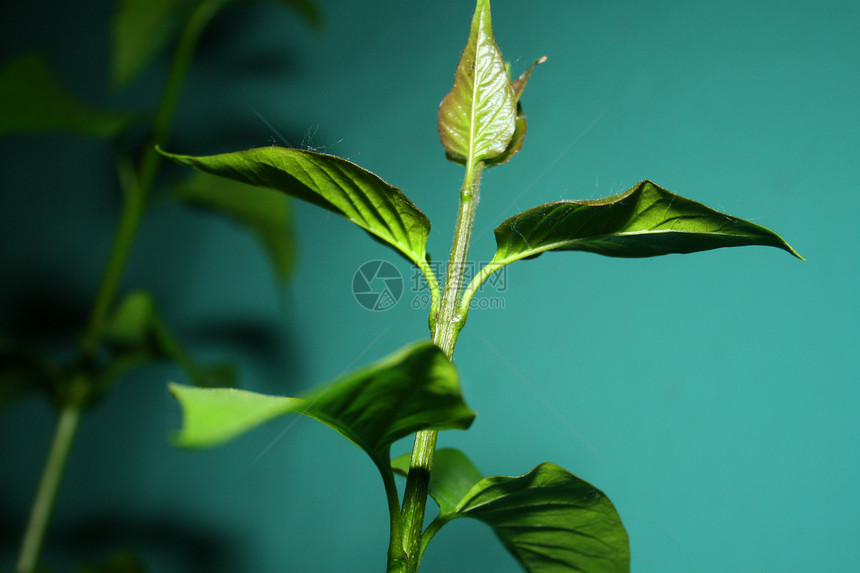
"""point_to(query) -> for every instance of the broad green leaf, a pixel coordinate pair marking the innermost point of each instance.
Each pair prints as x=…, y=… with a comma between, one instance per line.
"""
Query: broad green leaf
x=414, y=389
x=519, y=136
x=451, y=477
x=140, y=30
x=645, y=221
x=138, y=335
x=331, y=183
x=265, y=213
x=477, y=118
x=550, y=520
x=32, y=100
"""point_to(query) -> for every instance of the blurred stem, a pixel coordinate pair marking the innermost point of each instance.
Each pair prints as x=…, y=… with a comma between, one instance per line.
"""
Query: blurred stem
x=52, y=475
x=136, y=195
x=448, y=321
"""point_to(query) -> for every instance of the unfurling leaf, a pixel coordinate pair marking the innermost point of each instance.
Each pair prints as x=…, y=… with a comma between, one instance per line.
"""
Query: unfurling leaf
x=331, y=183
x=477, y=118
x=33, y=101
x=645, y=221
x=414, y=389
x=263, y=211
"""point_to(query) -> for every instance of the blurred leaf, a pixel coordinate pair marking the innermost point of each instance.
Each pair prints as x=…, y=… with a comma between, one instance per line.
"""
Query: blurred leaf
x=265, y=213
x=308, y=10
x=331, y=183
x=645, y=221
x=477, y=118
x=22, y=372
x=32, y=100
x=451, y=477
x=416, y=388
x=549, y=519
x=119, y=562
x=140, y=31
x=139, y=335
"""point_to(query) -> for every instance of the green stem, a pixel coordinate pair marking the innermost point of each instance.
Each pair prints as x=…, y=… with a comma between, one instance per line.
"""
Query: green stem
x=136, y=196
x=448, y=323
x=46, y=494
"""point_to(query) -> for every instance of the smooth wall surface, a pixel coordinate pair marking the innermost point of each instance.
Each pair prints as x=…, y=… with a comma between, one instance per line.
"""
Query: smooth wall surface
x=712, y=396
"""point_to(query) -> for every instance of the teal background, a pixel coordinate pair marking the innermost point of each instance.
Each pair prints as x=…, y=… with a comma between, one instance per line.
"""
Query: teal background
x=713, y=397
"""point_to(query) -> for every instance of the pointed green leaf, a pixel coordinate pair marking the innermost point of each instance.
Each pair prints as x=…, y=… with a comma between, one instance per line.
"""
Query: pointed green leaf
x=414, y=389
x=550, y=520
x=140, y=30
x=263, y=211
x=331, y=183
x=32, y=100
x=451, y=478
x=645, y=221
x=477, y=118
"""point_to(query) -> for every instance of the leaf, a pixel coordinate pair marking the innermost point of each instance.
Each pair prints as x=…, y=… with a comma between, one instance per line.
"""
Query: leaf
x=416, y=388
x=22, y=372
x=645, y=221
x=331, y=183
x=519, y=136
x=138, y=335
x=451, y=477
x=308, y=10
x=32, y=100
x=263, y=211
x=550, y=520
x=140, y=31
x=477, y=118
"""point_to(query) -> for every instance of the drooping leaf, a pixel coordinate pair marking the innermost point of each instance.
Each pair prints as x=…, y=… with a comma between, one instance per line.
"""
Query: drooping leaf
x=138, y=334
x=521, y=128
x=331, y=183
x=645, y=221
x=477, y=118
x=33, y=101
x=414, y=389
x=140, y=30
x=451, y=477
x=550, y=521
x=263, y=211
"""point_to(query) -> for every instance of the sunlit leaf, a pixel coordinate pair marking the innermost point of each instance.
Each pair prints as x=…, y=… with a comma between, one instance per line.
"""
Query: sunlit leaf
x=263, y=211
x=33, y=101
x=331, y=183
x=477, y=118
x=519, y=136
x=414, y=389
x=140, y=31
x=550, y=521
x=645, y=221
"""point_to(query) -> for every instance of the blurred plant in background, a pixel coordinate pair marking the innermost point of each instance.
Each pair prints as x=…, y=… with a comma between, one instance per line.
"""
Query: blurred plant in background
x=124, y=329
